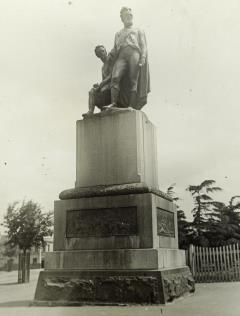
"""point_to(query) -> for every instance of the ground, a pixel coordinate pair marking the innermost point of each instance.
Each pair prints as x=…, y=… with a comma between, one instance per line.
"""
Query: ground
x=220, y=299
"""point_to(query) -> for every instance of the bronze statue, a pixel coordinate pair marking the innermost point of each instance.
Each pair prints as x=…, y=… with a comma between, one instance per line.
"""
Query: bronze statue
x=130, y=82
x=100, y=94
x=125, y=70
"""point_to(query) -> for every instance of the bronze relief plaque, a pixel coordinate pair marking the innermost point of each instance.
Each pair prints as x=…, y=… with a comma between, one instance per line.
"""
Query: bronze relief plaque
x=104, y=222
x=165, y=223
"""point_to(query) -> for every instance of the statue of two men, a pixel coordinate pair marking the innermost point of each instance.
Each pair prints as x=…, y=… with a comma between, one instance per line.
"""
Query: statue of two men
x=125, y=72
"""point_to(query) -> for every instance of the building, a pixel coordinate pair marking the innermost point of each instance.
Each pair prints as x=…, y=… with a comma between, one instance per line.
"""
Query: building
x=9, y=257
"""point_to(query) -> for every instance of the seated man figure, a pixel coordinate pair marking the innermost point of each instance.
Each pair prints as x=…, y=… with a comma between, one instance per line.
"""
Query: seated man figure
x=100, y=94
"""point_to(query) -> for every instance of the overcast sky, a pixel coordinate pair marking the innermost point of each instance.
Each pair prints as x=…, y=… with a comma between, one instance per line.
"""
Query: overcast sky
x=47, y=66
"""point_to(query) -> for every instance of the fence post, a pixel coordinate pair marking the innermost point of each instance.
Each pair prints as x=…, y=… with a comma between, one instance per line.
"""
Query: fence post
x=197, y=259
x=228, y=264
x=210, y=264
x=238, y=261
x=207, y=275
x=231, y=263
x=200, y=273
x=218, y=270
x=235, y=262
x=191, y=259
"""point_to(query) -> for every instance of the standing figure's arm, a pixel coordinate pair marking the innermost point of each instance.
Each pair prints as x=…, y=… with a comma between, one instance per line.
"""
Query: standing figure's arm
x=143, y=47
x=113, y=53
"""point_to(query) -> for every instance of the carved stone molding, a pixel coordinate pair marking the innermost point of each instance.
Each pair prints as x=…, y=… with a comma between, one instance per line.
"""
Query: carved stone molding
x=108, y=190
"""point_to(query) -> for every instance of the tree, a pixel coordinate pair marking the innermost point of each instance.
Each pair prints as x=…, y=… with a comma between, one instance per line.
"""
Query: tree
x=202, y=211
x=185, y=231
x=225, y=228
x=27, y=225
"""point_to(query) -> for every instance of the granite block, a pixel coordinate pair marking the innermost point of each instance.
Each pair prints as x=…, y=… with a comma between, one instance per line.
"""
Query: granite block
x=112, y=287
x=118, y=148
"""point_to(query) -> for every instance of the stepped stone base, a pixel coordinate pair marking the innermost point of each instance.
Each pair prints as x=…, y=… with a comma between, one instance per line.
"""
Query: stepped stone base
x=78, y=287
x=116, y=259
x=115, y=233
x=128, y=221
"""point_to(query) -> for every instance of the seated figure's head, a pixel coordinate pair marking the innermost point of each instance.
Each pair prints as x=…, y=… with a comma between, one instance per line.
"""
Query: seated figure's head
x=100, y=52
x=126, y=16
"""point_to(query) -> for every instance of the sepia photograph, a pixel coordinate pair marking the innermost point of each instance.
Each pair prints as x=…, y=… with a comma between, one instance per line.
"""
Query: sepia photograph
x=120, y=151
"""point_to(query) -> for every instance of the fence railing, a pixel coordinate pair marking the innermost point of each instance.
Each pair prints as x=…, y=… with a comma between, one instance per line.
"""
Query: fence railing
x=218, y=264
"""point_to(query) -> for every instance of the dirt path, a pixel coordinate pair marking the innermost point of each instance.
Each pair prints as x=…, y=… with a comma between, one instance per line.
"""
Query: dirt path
x=215, y=299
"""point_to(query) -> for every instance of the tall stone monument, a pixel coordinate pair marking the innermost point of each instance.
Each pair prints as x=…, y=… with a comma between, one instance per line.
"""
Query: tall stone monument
x=115, y=232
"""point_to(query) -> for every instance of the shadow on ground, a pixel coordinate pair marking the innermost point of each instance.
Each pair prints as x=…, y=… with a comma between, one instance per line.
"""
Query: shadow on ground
x=16, y=304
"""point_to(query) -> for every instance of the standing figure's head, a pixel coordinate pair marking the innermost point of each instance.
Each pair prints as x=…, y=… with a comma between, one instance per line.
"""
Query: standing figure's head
x=101, y=52
x=126, y=16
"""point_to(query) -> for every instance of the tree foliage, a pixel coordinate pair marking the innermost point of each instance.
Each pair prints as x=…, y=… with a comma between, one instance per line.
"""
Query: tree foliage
x=27, y=225
x=202, y=201
x=185, y=231
x=215, y=223
x=224, y=227
x=202, y=211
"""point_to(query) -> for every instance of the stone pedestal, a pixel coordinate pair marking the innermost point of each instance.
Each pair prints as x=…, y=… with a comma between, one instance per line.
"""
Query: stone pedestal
x=116, y=149
x=115, y=233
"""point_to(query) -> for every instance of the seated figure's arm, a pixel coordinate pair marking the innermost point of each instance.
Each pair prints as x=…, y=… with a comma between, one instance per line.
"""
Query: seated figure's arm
x=108, y=72
x=105, y=81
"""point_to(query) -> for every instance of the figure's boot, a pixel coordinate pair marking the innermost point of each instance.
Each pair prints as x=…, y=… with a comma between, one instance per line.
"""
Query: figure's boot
x=91, y=105
x=114, y=99
x=133, y=99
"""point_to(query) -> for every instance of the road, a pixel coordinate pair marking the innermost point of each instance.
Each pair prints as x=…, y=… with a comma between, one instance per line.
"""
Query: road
x=213, y=299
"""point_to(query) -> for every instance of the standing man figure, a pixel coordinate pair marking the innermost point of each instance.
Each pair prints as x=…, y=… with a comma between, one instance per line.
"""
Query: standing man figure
x=130, y=71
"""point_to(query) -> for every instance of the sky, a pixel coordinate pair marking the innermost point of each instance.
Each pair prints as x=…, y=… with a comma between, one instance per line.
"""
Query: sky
x=47, y=66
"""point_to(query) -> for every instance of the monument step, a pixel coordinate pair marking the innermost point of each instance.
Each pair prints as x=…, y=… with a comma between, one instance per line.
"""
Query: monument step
x=116, y=259
x=69, y=287
x=129, y=221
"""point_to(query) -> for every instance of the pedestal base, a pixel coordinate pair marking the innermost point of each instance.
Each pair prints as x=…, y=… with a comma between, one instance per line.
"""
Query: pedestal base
x=115, y=259
x=65, y=287
x=128, y=221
